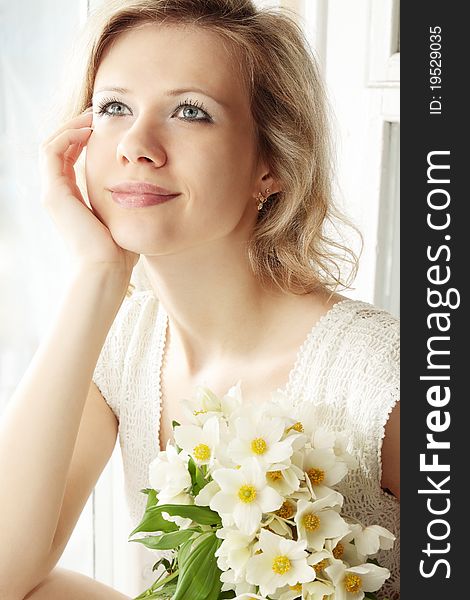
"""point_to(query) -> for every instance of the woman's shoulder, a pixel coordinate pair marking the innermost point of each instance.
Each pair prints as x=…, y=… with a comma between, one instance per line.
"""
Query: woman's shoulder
x=363, y=311
x=356, y=337
x=368, y=342
x=362, y=322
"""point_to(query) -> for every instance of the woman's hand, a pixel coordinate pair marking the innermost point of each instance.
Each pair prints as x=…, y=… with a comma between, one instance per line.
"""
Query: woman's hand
x=88, y=239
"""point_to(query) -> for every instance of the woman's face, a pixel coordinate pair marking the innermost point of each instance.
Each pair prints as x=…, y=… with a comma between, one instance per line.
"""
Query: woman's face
x=182, y=123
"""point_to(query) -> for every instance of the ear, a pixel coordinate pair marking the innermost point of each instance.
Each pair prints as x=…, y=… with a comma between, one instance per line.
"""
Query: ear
x=266, y=180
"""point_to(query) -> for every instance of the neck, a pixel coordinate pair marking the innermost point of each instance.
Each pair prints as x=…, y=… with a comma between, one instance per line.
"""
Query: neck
x=218, y=311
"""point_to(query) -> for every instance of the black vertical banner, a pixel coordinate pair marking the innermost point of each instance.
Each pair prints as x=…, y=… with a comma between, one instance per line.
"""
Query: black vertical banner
x=434, y=306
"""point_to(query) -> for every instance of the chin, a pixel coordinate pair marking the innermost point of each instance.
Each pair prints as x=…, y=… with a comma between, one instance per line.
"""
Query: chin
x=140, y=241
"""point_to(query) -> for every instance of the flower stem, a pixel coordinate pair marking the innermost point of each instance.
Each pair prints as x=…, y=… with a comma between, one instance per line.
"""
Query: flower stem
x=157, y=585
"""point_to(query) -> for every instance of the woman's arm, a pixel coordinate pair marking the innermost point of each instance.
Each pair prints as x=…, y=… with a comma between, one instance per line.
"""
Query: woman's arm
x=391, y=453
x=39, y=427
x=62, y=584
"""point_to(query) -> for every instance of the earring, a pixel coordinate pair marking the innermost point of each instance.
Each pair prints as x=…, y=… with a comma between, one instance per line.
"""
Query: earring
x=262, y=199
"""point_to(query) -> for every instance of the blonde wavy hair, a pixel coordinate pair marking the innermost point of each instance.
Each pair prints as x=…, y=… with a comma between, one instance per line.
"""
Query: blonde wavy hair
x=292, y=244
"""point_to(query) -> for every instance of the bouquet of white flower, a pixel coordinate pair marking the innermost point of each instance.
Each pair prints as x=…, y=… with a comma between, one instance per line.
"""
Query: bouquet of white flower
x=245, y=505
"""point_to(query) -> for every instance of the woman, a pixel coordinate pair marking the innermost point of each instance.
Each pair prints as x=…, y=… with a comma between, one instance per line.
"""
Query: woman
x=208, y=158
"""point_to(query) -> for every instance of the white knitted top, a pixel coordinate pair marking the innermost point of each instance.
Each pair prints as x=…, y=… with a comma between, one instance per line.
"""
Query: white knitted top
x=347, y=367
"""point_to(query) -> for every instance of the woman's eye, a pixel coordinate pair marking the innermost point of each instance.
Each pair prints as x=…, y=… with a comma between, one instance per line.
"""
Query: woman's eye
x=190, y=110
x=190, y=113
x=103, y=109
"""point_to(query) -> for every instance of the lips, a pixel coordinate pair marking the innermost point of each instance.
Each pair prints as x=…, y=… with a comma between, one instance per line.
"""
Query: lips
x=140, y=187
x=138, y=194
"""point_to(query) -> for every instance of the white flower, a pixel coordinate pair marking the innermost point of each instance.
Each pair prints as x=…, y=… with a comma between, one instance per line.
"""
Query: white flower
x=260, y=438
x=301, y=415
x=201, y=406
x=239, y=585
x=323, y=468
x=204, y=404
x=281, y=562
x=314, y=590
x=207, y=493
x=344, y=549
x=232, y=401
x=320, y=560
x=318, y=590
x=235, y=550
x=244, y=496
x=199, y=443
x=286, y=481
x=352, y=582
x=372, y=539
x=317, y=521
x=340, y=449
x=169, y=472
x=278, y=524
x=288, y=592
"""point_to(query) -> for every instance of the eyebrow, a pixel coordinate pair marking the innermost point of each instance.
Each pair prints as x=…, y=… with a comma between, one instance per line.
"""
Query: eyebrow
x=176, y=92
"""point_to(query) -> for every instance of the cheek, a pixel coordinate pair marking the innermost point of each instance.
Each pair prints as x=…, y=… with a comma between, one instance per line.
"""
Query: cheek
x=225, y=164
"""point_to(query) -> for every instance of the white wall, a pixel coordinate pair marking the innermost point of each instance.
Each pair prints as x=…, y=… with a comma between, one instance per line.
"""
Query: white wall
x=357, y=46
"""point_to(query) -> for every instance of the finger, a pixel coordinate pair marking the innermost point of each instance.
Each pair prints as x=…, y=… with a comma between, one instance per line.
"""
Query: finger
x=83, y=119
x=71, y=155
x=53, y=153
x=70, y=158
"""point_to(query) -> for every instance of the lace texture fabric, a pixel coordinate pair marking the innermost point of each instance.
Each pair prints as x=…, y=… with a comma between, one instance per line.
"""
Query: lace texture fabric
x=347, y=370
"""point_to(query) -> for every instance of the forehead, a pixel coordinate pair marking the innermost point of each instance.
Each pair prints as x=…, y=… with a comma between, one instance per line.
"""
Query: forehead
x=170, y=56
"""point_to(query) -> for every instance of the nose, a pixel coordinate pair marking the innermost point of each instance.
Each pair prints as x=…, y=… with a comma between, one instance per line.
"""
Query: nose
x=139, y=144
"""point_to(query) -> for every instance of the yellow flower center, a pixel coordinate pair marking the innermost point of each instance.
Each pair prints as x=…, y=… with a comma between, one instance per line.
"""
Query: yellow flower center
x=259, y=446
x=201, y=411
x=296, y=588
x=281, y=565
x=202, y=452
x=274, y=475
x=296, y=427
x=338, y=551
x=311, y=522
x=247, y=493
x=352, y=582
x=316, y=476
x=319, y=566
x=286, y=511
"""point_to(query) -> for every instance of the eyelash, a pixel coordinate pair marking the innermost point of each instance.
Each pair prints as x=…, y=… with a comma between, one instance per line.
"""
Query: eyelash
x=103, y=105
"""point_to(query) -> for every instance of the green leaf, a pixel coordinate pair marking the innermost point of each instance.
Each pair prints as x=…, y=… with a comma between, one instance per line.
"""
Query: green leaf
x=164, y=594
x=152, y=496
x=200, y=514
x=153, y=521
x=228, y=594
x=166, y=541
x=160, y=589
x=184, y=552
x=199, y=576
x=165, y=563
x=197, y=477
x=370, y=595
